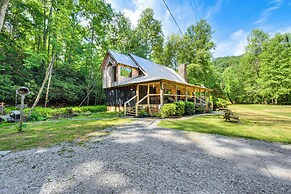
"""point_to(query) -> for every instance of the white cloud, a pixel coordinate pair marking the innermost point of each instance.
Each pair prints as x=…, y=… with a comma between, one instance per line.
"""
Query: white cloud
x=284, y=30
x=134, y=12
x=234, y=45
x=275, y=4
x=213, y=10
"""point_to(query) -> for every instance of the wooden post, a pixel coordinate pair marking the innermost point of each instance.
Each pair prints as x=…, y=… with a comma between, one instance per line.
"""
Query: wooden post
x=199, y=95
x=148, y=98
x=195, y=96
x=186, y=94
x=161, y=94
x=137, y=99
x=176, y=97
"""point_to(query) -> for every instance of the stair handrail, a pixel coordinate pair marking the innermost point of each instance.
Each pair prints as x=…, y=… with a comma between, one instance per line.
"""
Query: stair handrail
x=128, y=102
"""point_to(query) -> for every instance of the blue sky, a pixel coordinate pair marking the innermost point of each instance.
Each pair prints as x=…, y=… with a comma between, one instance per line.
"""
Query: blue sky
x=231, y=20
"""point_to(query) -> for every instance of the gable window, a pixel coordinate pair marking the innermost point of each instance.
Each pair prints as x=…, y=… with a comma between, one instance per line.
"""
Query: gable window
x=114, y=74
x=125, y=71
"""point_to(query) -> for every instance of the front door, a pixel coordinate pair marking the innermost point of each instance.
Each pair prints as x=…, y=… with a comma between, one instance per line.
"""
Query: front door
x=143, y=90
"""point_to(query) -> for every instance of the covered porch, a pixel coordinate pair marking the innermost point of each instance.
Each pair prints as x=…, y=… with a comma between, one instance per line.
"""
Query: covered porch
x=151, y=96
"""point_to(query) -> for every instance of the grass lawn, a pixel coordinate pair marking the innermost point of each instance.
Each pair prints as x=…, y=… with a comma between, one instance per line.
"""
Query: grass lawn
x=262, y=122
x=48, y=133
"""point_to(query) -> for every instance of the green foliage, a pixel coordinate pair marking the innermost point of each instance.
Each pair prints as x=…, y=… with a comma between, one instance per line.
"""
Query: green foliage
x=149, y=32
x=199, y=109
x=143, y=113
x=189, y=108
x=180, y=108
x=221, y=103
x=168, y=110
x=262, y=74
x=40, y=114
x=36, y=116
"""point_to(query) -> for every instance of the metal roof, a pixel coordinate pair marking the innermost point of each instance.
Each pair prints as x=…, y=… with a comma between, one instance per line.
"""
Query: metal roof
x=122, y=59
x=152, y=71
x=157, y=71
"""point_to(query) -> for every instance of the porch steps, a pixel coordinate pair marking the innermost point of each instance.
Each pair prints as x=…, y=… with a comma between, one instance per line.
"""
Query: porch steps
x=132, y=111
x=203, y=106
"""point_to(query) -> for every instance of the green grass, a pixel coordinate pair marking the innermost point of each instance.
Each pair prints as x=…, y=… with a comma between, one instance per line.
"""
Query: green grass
x=48, y=133
x=262, y=122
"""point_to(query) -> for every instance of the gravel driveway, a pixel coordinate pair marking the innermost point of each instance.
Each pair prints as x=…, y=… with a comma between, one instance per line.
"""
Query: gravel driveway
x=142, y=158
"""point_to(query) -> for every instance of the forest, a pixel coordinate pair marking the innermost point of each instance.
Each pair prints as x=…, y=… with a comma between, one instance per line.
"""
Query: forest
x=59, y=45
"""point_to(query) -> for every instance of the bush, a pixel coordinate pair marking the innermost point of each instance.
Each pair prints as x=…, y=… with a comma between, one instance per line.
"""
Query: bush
x=93, y=109
x=40, y=113
x=221, y=103
x=143, y=113
x=189, y=108
x=180, y=110
x=199, y=109
x=168, y=110
x=35, y=116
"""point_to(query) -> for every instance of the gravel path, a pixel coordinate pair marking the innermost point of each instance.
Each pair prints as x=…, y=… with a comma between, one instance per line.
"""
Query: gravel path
x=145, y=159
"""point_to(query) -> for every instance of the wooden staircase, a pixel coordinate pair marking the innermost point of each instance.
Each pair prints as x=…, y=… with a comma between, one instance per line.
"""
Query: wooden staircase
x=132, y=110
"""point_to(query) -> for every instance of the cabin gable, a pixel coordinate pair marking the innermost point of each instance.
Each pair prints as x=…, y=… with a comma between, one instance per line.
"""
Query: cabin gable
x=115, y=73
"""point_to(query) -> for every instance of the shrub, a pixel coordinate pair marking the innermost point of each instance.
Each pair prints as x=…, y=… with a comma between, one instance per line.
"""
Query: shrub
x=35, y=116
x=180, y=110
x=199, y=109
x=189, y=108
x=221, y=103
x=168, y=110
x=93, y=109
x=143, y=113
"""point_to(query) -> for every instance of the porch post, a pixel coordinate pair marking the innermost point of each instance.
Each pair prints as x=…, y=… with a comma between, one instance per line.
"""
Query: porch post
x=137, y=93
x=148, y=98
x=176, y=97
x=200, y=95
x=161, y=94
x=186, y=94
x=206, y=104
x=195, y=96
x=137, y=99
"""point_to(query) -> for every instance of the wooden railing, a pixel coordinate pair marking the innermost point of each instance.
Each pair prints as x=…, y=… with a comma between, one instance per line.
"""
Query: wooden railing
x=128, y=102
x=137, y=103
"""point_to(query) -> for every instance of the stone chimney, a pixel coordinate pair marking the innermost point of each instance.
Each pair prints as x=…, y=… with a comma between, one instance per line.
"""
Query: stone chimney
x=182, y=71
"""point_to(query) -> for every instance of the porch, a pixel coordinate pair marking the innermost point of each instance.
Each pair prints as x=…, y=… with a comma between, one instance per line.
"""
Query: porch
x=151, y=96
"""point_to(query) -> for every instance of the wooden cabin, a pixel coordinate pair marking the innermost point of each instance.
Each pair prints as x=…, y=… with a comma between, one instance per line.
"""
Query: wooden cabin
x=133, y=84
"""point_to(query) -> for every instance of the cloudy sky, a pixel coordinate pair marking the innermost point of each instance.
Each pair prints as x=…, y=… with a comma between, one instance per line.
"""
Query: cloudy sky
x=231, y=20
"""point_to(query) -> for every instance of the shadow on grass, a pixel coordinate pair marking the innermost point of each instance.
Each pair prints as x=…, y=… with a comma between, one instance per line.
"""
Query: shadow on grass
x=260, y=130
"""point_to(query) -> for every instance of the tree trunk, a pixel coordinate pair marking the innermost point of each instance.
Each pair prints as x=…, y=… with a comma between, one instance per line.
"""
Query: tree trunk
x=43, y=83
x=3, y=9
x=48, y=86
x=229, y=98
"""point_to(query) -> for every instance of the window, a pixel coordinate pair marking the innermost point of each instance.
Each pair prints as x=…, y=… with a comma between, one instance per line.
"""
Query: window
x=114, y=74
x=125, y=71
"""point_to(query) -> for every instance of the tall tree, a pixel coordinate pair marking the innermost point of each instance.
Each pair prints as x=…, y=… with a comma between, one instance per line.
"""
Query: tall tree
x=151, y=38
x=3, y=8
x=275, y=79
x=196, y=51
x=173, y=46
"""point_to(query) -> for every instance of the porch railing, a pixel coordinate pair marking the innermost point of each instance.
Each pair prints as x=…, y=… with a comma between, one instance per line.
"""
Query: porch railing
x=137, y=103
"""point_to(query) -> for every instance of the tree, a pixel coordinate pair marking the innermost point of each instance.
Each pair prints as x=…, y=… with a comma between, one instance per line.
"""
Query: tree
x=151, y=38
x=172, y=48
x=196, y=51
x=3, y=8
x=275, y=79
